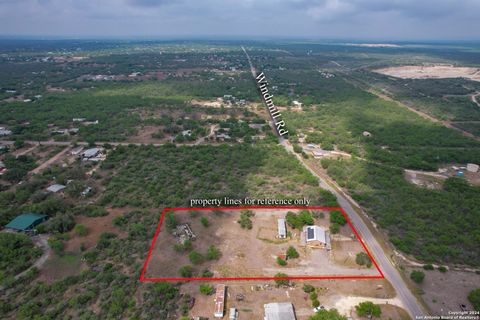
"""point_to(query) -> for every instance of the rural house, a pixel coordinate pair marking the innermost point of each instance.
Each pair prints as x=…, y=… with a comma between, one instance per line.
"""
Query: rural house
x=317, y=237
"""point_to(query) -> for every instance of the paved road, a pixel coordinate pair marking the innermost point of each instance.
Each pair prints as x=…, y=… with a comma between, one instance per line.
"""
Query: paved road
x=407, y=299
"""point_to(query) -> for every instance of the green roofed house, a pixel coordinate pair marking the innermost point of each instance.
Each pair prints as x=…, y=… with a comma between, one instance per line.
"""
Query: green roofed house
x=26, y=221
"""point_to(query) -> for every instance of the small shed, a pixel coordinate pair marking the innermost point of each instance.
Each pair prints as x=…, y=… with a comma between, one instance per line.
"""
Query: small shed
x=54, y=188
x=282, y=229
x=26, y=221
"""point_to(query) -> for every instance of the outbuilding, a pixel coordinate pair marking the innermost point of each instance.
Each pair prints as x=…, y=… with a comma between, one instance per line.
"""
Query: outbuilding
x=26, y=222
x=91, y=153
x=219, y=301
x=54, y=188
x=282, y=229
x=279, y=311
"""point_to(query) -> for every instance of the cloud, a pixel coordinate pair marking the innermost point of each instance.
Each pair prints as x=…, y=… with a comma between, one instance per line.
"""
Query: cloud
x=150, y=3
x=305, y=18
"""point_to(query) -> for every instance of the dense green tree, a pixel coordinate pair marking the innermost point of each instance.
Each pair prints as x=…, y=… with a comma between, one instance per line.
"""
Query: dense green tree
x=368, y=309
x=281, y=282
x=363, y=259
x=292, y=253
x=417, y=276
x=281, y=262
x=474, y=298
x=81, y=230
x=337, y=217
x=307, y=288
x=186, y=271
x=206, y=289
x=196, y=257
x=213, y=253
x=205, y=222
x=331, y=314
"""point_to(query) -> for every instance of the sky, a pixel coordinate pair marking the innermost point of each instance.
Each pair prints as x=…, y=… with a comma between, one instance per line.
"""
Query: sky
x=326, y=19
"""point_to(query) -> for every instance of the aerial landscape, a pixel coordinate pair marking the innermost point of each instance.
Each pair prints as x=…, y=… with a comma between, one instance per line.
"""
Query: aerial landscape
x=327, y=167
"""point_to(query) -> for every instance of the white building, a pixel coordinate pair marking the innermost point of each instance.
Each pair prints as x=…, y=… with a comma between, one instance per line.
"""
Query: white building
x=279, y=311
x=317, y=237
x=90, y=153
x=282, y=229
x=297, y=104
x=233, y=314
x=219, y=301
x=54, y=188
x=93, y=154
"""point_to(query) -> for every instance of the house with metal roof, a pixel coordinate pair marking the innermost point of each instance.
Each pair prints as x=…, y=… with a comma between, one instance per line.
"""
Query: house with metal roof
x=317, y=237
x=26, y=221
x=279, y=311
x=91, y=153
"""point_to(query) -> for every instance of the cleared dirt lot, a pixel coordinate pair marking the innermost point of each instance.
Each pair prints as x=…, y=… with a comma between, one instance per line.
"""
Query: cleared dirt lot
x=252, y=253
x=444, y=292
x=257, y=293
x=431, y=72
x=95, y=226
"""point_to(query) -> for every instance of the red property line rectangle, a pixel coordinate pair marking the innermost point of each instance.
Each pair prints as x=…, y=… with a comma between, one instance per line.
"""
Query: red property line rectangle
x=152, y=245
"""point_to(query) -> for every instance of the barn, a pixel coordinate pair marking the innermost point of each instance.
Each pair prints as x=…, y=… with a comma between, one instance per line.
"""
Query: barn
x=26, y=222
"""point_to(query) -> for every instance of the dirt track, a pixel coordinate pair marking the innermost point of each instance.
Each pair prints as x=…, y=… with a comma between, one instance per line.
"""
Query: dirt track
x=49, y=161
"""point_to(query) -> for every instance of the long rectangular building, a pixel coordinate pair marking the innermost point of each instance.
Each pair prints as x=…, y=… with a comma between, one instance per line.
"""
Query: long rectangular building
x=282, y=229
x=219, y=301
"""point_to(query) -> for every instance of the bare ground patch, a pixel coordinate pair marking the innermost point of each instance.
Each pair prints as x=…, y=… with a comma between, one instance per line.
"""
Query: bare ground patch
x=431, y=72
x=96, y=226
x=247, y=253
x=444, y=292
x=257, y=293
